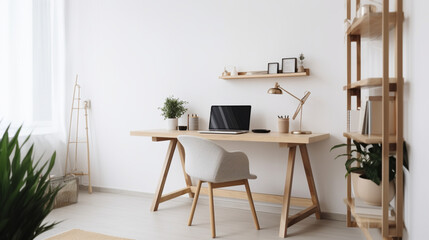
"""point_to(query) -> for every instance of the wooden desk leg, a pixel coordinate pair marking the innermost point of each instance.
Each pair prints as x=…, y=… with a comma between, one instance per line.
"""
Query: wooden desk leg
x=164, y=173
x=182, y=159
x=310, y=179
x=287, y=192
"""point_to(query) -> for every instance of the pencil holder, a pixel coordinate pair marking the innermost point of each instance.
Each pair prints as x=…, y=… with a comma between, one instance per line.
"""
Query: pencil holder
x=193, y=123
x=283, y=125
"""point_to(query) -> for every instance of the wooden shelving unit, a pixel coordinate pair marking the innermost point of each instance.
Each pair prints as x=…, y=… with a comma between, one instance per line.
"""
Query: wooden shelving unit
x=244, y=75
x=375, y=26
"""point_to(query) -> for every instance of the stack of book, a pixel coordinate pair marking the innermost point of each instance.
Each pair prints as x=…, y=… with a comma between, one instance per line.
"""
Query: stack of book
x=371, y=211
x=370, y=117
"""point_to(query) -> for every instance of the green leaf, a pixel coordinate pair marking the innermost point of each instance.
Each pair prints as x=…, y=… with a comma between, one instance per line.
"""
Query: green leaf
x=338, y=146
x=25, y=196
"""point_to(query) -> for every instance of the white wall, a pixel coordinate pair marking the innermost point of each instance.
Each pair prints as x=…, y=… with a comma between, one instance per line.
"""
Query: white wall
x=416, y=115
x=132, y=54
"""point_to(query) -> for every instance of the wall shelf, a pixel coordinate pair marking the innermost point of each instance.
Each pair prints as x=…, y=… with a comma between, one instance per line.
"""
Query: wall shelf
x=370, y=25
x=244, y=75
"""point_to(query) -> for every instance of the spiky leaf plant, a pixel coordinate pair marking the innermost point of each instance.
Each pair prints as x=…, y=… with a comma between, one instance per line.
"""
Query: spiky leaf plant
x=26, y=197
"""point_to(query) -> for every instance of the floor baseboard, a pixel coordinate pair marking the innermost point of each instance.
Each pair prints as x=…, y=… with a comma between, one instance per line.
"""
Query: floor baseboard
x=225, y=202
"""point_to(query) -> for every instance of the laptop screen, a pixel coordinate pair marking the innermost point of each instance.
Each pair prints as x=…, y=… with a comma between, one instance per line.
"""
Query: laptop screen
x=230, y=117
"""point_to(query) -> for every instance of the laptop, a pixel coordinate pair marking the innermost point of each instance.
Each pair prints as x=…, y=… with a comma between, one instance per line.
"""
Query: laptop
x=229, y=119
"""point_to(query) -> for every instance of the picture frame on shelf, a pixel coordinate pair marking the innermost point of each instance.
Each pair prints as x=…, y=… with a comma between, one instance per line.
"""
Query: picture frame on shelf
x=273, y=68
x=289, y=65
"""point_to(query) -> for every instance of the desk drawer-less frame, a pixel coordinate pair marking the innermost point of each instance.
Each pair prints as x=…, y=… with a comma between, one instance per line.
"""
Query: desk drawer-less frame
x=311, y=205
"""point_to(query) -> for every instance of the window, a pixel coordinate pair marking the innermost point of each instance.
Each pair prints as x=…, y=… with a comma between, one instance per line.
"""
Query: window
x=26, y=62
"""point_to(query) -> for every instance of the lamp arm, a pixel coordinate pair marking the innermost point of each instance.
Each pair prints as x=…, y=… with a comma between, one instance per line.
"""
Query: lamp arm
x=290, y=93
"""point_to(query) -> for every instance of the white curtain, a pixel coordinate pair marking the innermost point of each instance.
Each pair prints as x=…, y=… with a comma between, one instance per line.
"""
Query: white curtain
x=32, y=85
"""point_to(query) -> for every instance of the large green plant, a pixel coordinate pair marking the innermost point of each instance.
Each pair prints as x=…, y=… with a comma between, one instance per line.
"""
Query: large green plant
x=369, y=157
x=173, y=108
x=25, y=194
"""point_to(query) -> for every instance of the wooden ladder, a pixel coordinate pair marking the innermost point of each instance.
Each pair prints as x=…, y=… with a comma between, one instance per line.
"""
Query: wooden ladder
x=76, y=141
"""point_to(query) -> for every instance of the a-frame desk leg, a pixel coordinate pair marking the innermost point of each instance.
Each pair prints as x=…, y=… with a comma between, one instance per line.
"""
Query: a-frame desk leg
x=182, y=160
x=310, y=179
x=286, y=197
x=164, y=173
x=285, y=220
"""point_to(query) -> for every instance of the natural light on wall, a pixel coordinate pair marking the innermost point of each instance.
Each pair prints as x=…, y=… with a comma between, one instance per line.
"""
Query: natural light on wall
x=31, y=64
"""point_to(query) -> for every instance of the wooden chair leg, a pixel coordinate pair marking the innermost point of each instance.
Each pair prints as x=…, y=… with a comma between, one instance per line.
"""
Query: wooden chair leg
x=252, y=206
x=194, y=203
x=212, y=216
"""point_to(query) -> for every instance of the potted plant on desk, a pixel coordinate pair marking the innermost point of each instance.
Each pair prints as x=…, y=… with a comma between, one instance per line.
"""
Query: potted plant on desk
x=173, y=109
x=366, y=176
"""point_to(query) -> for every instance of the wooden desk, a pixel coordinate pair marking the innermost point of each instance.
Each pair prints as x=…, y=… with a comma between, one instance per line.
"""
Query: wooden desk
x=285, y=140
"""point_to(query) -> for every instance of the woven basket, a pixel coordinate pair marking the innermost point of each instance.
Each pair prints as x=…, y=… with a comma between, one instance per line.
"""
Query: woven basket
x=69, y=191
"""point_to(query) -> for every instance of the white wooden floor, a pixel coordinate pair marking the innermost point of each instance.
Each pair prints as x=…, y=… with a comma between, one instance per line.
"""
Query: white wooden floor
x=128, y=216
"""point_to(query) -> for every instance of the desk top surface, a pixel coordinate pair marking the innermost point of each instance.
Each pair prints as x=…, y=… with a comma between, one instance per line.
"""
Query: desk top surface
x=273, y=137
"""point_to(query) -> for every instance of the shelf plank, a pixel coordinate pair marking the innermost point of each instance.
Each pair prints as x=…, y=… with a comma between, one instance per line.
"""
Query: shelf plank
x=367, y=221
x=370, y=25
x=368, y=139
x=243, y=75
x=371, y=82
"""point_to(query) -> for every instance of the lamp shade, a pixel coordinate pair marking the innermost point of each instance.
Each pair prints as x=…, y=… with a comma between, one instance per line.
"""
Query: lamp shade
x=275, y=90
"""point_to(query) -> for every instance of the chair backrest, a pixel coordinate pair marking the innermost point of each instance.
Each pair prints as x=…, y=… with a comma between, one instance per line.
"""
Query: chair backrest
x=203, y=157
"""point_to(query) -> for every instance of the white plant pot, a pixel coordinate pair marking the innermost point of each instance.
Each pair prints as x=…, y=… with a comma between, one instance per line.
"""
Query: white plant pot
x=172, y=123
x=371, y=193
x=355, y=179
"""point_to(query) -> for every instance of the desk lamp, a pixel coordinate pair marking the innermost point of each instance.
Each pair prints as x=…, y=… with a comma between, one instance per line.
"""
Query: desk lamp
x=277, y=89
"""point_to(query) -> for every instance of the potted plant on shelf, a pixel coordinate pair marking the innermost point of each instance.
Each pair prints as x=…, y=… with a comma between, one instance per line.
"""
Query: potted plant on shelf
x=301, y=63
x=173, y=109
x=366, y=175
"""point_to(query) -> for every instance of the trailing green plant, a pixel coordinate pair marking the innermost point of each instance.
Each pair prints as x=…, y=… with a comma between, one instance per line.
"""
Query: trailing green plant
x=369, y=159
x=173, y=108
x=26, y=197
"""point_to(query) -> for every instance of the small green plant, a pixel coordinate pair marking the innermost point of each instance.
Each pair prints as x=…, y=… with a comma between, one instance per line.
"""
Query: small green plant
x=301, y=58
x=26, y=197
x=369, y=157
x=173, y=108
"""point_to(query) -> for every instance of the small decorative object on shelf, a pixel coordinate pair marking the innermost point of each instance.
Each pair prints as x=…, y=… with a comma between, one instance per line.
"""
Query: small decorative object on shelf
x=173, y=109
x=366, y=9
x=289, y=65
x=301, y=63
x=273, y=68
x=225, y=72
x=234, y=71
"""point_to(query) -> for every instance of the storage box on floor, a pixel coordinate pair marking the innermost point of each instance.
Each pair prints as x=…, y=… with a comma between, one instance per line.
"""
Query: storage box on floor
x=69, y=191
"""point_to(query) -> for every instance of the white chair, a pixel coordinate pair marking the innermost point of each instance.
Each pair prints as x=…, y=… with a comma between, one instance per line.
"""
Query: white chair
x=208, y=162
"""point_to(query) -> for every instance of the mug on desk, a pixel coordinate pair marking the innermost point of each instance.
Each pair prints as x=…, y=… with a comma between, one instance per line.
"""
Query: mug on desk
x=283, y=125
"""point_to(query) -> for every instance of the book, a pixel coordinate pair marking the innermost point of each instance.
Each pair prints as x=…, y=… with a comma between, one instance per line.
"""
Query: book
x=353, y=120
x=362, y=118
x=375, y=113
